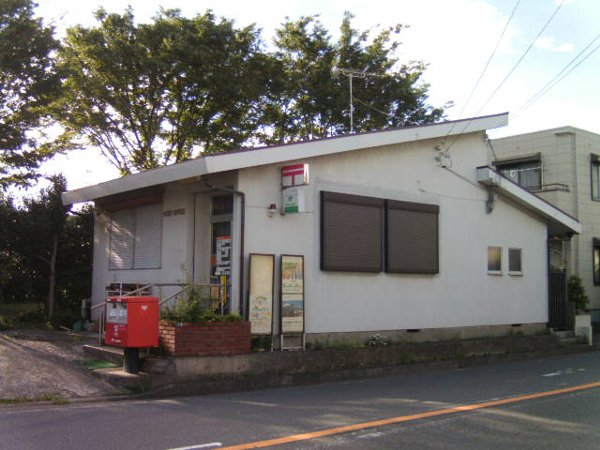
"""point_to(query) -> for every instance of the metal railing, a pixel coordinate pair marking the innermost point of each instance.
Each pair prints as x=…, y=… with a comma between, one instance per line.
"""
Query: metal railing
x=216, y=302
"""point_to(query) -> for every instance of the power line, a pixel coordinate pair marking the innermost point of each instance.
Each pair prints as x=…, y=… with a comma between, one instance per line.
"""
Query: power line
x=483, y=70
x=372, y=107
x=558, y=78
x=490, y=58
x=522, y=57
x=509, y=73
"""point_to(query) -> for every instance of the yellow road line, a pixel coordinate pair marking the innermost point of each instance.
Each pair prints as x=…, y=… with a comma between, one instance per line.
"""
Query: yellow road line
x=408, y=418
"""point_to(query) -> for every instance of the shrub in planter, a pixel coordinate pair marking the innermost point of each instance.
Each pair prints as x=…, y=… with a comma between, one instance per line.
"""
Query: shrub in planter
x=191, y=328
x=577, y=295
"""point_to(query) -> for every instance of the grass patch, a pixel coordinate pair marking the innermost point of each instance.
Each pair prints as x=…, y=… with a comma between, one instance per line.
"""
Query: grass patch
x=12, y=310
x=22, y=314
x=14, y=401
x=55, y=399
x=93, y=364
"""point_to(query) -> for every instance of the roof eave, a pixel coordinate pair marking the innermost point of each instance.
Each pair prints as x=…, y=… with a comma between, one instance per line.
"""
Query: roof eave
x=559, y=222
x=272, y=155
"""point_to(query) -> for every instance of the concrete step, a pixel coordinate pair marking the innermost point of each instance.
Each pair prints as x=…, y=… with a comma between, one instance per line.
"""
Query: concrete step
x=575, y=340
x=563, y=334
x=568, y=337
x=105, y=353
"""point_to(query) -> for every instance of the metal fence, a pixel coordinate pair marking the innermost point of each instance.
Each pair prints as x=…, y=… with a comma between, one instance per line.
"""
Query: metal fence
x=216, y=298
x=560, y=313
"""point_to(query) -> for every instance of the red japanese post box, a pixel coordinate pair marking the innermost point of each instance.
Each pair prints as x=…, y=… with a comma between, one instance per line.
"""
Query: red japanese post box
x=132, y=322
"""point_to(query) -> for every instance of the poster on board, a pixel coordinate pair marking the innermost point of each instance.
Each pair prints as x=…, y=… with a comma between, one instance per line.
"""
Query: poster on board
x=223, y=266
x=292, y=294
x=260, y=296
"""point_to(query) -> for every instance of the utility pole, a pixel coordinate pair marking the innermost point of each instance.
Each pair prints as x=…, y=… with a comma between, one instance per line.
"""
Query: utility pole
x=351, y=73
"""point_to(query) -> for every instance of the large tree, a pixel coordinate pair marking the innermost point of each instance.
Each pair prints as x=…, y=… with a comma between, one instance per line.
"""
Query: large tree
x=28, y=83
x=46, y=252
x=314, y=100
x=162, y=92
x=152, y=94
x=43, y=220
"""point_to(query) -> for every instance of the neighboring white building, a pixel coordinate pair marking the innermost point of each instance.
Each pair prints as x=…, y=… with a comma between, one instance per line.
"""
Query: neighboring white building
x=399, y=229
x=562, y=166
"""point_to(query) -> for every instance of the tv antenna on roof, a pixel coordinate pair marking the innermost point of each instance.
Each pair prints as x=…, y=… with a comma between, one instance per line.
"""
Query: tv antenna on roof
x=351, y=73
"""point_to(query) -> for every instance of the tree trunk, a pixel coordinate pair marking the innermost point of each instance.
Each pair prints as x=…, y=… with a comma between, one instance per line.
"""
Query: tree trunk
x=52, y=277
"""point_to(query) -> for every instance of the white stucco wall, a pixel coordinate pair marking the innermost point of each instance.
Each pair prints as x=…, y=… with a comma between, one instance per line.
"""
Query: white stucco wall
x=176, y=247
x=462, y=294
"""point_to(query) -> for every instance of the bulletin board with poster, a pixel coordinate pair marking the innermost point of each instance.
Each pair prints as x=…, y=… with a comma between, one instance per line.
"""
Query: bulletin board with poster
x=260, y=293
x=292, y=296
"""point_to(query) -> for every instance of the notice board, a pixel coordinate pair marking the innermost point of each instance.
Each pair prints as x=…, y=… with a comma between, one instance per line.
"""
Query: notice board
x=292, y=294
x=260, y=293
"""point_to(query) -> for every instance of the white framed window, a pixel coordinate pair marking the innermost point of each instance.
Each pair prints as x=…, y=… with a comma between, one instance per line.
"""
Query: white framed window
x=595, y=176
x=525, y=171
x=135, y=238
x=515, y=261
x=494, y=260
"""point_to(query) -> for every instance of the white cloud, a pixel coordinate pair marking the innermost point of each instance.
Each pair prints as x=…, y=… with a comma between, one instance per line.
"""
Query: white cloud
x=546, y=43
x=564, y=48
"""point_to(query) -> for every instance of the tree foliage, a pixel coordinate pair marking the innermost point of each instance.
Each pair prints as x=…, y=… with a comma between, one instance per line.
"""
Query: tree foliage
x=315, y=100
x=28, y=84
x=152, y=94
x=46, y=253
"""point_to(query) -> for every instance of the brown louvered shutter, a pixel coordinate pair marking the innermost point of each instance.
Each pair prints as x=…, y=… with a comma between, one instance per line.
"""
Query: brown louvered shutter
x=412, y=237
x=351, y=232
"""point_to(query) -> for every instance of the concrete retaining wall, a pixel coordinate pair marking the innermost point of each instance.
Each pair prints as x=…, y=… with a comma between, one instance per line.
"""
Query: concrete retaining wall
x=331, y=361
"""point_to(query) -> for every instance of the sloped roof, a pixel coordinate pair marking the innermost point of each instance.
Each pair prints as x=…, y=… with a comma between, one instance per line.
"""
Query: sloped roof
x=559, y=222
x=224, y=162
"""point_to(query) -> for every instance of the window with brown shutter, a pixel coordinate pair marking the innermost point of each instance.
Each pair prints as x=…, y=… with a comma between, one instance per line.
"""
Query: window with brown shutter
x=351, y=232
x=412, y=237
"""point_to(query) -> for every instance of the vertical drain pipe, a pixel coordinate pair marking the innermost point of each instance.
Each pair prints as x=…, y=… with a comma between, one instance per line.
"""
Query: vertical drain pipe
x=242, y=303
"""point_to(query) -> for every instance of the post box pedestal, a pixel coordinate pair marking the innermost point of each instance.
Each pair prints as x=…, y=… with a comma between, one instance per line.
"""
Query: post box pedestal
x=131, y=360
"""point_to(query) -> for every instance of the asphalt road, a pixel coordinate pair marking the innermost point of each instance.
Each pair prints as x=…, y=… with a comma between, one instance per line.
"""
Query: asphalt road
x=490, y=407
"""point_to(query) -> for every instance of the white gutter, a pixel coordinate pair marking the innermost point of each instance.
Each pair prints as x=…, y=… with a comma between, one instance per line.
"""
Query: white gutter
x=224, y=162
x=559, y=221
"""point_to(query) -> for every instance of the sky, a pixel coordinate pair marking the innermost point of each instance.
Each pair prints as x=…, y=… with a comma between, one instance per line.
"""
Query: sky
x=530, y=43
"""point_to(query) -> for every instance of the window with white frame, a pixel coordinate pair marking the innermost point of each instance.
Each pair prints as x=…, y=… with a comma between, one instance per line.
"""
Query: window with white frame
x=515, y=261
x=135, y=238
x=596, y=260
x=595, y=176
x=494, y=260
x=525, y=171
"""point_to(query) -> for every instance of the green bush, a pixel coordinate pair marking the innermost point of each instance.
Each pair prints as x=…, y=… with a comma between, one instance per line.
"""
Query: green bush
x=576, y=294
x=196, y=308
x=36, y=318
x=377, y=340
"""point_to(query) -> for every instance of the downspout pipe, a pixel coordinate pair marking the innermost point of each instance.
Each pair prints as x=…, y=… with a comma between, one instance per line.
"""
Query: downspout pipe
x=242, y=197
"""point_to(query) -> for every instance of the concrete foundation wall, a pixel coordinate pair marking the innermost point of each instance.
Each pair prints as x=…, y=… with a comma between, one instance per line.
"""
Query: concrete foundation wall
x=332, y=361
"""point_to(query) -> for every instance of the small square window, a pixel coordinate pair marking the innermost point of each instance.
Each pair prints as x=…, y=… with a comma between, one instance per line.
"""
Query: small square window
x=494, y=260
x=515, y=261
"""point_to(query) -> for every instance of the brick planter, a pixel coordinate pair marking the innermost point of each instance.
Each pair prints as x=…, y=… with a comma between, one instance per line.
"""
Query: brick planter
x=205, y=339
